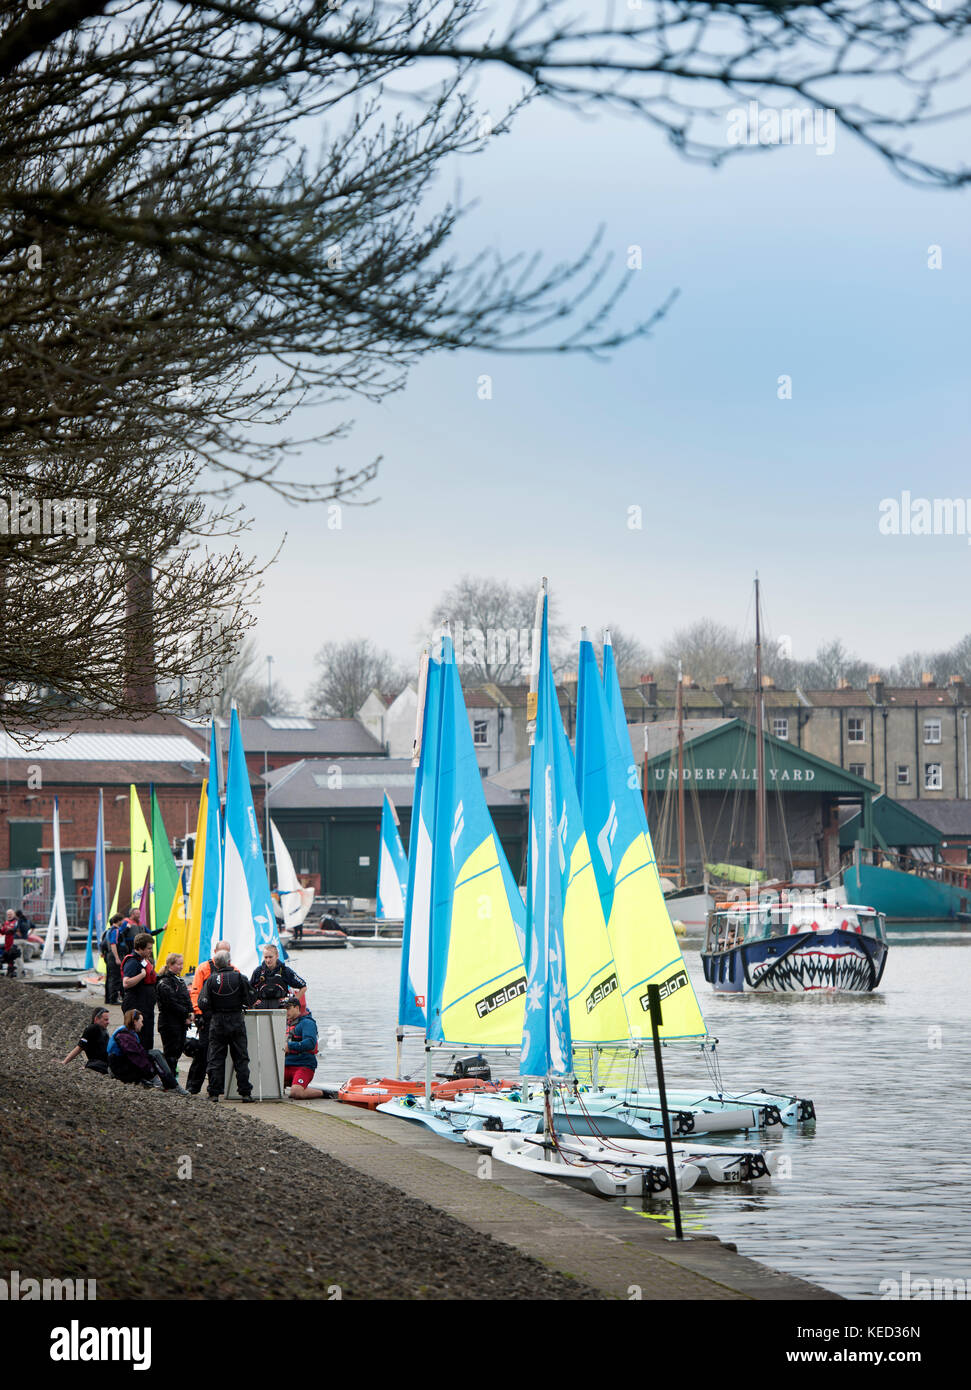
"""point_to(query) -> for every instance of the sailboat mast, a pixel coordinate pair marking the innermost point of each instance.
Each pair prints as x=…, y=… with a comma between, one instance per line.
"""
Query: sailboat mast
x=759, y=741
x=682, y=876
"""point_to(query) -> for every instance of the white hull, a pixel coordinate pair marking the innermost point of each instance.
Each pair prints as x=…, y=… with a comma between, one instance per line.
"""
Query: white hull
x=691, y=911
x=715, y=1165
x=641, y=1177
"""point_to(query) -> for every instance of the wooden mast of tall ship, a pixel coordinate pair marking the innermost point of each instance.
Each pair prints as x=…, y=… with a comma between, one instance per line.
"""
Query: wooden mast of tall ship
x=682, y=875
x=760, y=855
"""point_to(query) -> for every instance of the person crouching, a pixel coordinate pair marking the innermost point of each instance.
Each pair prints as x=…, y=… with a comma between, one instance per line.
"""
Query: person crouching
x=300, y=1062
x=223, y=997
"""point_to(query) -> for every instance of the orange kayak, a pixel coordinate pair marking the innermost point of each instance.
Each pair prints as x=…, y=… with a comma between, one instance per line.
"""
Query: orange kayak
x=369, y=1094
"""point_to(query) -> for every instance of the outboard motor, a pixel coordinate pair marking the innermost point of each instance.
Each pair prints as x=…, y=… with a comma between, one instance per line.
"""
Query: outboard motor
x=472, y=1068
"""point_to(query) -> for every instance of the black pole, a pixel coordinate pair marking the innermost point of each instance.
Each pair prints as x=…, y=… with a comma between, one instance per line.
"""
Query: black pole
x=654, y=1002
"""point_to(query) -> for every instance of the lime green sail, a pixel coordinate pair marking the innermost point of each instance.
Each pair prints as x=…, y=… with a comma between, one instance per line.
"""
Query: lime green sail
x=141, y=850
x=165, y=874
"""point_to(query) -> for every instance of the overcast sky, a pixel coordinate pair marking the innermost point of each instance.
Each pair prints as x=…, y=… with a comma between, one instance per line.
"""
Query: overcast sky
x=788, y=262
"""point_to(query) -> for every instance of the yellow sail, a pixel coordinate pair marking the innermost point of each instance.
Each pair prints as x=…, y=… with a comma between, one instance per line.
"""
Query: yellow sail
x=176, y=927
x=646, y=949
x=597, y=1012
x=181, y=932
x=196, y=882
x=114, y=901
x=140, y=853
x=484, y=977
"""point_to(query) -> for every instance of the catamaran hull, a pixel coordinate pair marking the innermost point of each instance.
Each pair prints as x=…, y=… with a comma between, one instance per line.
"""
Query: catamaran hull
x=809, y=963
x=452, y=1117
x=714, y=1165
x=636, y=1179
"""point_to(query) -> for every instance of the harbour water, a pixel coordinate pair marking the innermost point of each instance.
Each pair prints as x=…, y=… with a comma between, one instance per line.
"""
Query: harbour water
x=877, y=1194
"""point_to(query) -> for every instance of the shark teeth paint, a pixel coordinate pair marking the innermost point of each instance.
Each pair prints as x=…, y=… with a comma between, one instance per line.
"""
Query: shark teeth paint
x=812, y=968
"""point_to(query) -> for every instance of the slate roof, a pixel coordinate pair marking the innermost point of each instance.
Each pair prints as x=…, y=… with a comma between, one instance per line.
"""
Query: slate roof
x=313, y=784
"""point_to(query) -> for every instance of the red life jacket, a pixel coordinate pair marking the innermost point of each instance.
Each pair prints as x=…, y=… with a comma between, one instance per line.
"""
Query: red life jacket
x=150, y=976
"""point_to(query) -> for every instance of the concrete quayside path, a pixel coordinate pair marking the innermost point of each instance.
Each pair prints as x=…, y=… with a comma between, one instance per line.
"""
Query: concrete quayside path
x=620, y=1251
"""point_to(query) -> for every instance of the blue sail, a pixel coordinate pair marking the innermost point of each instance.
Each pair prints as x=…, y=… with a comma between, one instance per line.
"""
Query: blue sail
x=615, y=709
x=98, y=912
x=413, y=986
x=212, y=867
x=476, y=978
x=392, y=868
x=249, y=922
x=547, y=1049
x=642, y=939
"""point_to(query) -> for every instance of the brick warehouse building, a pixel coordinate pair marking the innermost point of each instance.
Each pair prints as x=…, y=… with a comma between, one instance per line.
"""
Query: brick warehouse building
x=166, y=752
x=73, y=764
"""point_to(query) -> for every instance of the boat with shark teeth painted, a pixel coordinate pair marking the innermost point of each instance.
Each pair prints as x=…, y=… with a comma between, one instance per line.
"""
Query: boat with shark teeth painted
x=795, y=943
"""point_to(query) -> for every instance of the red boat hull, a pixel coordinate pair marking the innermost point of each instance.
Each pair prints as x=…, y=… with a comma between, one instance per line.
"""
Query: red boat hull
x=370, y=1094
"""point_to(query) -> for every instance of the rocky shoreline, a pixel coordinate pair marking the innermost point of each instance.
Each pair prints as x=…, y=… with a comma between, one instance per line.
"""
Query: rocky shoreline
x=159, y=1196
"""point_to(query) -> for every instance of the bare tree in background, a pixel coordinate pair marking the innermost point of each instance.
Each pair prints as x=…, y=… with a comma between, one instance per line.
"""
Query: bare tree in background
x=910, y=669
x=831, y=664
x=349, y=671
x=706, y=650
x=492, y=626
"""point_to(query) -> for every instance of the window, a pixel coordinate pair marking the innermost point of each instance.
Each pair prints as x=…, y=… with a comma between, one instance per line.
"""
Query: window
x=780, y=727
x=480, y=731
x=903, y=775
x=933, y=781
x=855, y=731
x=858, y=769
x=932, y=731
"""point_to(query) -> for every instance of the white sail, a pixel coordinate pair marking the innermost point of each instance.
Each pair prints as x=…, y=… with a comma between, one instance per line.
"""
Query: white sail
x=58, y=916
x=294, y=900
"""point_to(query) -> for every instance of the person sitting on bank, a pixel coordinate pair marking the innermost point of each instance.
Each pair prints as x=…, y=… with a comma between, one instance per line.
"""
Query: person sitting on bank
x=174, y=1009
x=129, y=1061
x=93, y=1042
x=273, y=982
x=300, y=1062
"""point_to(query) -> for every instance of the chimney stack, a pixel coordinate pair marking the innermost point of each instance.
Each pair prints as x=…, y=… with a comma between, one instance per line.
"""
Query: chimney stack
x=724, y=690
x=874, y=685
x=649, y=689
x=927, y=680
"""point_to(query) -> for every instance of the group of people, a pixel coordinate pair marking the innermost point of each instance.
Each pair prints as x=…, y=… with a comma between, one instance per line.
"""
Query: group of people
x=212, y=1006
